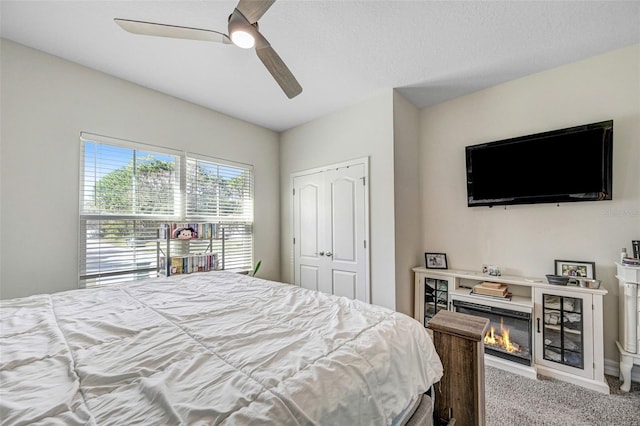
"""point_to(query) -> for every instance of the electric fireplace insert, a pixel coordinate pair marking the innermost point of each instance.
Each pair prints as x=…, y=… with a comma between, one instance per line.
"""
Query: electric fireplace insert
x=509, y=334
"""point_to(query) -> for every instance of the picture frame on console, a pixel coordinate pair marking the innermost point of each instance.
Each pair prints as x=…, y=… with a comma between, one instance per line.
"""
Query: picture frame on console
x=576, y=268
x=435, y=260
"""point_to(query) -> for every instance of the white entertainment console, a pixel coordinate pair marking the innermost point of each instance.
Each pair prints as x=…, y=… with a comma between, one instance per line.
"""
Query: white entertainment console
x=565, y=323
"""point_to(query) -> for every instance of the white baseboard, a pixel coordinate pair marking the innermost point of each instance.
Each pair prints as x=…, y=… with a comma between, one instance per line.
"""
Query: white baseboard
x=612, y=368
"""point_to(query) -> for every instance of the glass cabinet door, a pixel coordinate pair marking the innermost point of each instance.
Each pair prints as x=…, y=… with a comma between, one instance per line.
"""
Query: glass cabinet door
x=436, y=297
x=563, y=330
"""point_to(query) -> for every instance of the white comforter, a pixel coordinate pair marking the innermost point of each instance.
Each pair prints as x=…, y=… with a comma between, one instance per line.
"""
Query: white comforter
x=208, y=348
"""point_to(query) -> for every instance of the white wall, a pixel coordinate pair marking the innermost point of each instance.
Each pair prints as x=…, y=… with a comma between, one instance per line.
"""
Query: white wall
x=408, y=223
x=526, y=239
x=364, y=129
x=46, y=103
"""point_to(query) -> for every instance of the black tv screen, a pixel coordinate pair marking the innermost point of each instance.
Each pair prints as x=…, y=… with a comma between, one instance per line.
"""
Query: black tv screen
x=566, y=165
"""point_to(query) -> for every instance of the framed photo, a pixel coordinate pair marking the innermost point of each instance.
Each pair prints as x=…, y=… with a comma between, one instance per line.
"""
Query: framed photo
x=576, y=268
x=435, y=260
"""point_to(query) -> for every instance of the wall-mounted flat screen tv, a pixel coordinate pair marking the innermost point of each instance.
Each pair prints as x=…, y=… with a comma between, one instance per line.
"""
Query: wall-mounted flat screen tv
x=566, y=165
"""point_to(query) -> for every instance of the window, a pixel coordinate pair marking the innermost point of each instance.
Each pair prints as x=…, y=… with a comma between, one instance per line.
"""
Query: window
x=129, y=190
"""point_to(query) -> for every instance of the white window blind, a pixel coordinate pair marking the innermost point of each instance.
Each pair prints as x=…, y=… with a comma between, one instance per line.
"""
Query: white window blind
x=129, y=190
x=223, y=194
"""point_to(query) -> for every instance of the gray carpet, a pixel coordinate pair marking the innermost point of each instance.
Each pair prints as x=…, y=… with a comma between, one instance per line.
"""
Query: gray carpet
x=515, y=400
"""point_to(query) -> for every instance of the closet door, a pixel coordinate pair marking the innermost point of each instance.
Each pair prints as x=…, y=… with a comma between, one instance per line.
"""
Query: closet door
x=345, y=232
x=308, y=225
x=330, y=231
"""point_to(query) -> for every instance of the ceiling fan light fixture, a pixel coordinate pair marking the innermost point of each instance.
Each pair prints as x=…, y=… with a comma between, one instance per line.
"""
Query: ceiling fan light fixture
x=241, y=32
x=242, y=39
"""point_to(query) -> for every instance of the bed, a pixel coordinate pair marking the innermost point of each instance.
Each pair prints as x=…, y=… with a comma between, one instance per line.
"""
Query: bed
x=210, y=348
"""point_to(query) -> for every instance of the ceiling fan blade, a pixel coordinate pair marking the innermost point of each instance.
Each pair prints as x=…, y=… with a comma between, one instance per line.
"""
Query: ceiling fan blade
x=254, y=9
x=172, y=31
x=276, y=66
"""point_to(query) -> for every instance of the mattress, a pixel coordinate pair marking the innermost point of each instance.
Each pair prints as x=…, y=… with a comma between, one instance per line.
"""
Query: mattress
x=208, y=348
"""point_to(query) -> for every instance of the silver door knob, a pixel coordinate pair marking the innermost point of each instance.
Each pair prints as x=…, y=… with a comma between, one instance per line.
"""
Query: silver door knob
x=329, y=253
x=321, y=253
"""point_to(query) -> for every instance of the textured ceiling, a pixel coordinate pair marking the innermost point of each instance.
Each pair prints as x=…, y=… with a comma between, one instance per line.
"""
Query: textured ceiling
x=340, y=51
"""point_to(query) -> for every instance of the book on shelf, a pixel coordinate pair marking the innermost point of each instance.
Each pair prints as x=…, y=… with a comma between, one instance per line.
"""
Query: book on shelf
x=202, y=262
x=177, y=265
x=630, y=261
x=491, y=289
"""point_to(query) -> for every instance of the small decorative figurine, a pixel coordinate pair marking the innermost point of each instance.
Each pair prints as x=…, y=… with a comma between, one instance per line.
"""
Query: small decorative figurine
x=184, y=233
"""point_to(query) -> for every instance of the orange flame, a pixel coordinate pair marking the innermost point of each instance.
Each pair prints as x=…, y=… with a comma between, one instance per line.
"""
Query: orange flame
x=502, y=339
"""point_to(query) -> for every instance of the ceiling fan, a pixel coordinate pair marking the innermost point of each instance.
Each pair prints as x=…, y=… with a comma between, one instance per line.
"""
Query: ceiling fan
x=243, y=32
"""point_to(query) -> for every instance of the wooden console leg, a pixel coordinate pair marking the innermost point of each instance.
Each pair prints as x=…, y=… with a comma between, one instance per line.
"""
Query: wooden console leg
x=459, y=341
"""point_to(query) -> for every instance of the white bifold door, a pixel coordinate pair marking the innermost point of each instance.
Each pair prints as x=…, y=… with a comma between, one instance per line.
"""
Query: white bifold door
x=330, y=219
